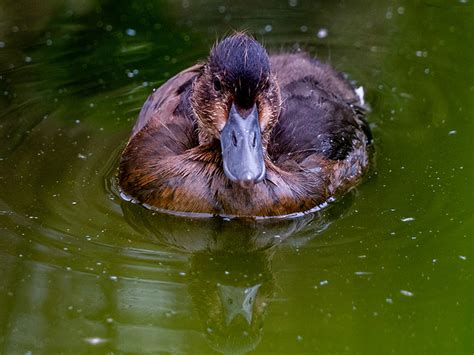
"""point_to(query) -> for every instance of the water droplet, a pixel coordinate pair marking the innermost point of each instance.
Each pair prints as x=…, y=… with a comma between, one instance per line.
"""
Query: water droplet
x=130, y=32
x=322, y=33
x=406, y=293
x=95, y=341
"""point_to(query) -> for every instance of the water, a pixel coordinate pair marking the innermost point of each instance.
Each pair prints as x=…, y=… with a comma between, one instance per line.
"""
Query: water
x=389, y=268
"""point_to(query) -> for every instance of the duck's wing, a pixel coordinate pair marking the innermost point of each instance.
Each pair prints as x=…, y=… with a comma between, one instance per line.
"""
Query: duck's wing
x=318, y=120
x=164, y=98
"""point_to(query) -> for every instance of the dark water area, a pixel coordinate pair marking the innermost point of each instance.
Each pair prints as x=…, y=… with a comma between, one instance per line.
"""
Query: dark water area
x=387, y=269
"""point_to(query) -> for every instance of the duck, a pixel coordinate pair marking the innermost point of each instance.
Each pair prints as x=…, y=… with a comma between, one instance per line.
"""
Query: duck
x=247, y=134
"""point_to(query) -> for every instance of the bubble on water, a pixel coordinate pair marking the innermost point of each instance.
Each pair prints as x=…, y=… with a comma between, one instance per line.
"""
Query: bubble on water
x=453, y=132
x=389, y=300
x=323, y=282
x=95, y=340
x=322, y=33
x=2, y=44
x=113, y=278
x=131, y=32
x=304, y=28
x=462, y=257
x=407, y=219
x=406, y=293
x=293, y=3
x=268, y=28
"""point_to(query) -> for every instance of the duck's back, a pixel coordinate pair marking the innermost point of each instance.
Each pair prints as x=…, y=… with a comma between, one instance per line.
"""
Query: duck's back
x=321, y=117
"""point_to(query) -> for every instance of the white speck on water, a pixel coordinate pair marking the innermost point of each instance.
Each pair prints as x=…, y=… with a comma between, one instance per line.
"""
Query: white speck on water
x=95, y=341
x=49, y=42
x=462, y=257
x=113, y=278
x=360, y=273
x=453, y=132
x=182, y=273
x=299, y=338
x=28, y=59
x=226, y=272
x=401, y=10
x=268, y=28
x=130, y=32
x=81, y=156
x=304, y=28
x=277, y=236
x=323, y=282
x=406, y=293
x=109, y=320
x=389, y=300
x=362, y=256
x=2, y=44
x=293, y=3
x=322, y=33
x=407, y=219
x=74, y=202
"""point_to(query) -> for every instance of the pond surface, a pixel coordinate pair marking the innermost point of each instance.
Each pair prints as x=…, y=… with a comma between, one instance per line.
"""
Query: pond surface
x=387, y=269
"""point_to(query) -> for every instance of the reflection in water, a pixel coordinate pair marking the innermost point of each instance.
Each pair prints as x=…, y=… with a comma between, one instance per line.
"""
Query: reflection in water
x=230, y=279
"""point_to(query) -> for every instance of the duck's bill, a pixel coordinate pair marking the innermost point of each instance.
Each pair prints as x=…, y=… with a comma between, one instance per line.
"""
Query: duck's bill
x=242, y=151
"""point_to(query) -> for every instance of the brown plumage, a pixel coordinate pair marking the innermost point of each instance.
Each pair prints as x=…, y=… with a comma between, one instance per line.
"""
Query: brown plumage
x=312, y=133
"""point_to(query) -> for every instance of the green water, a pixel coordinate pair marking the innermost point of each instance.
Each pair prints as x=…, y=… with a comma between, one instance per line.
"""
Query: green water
x=388, y=269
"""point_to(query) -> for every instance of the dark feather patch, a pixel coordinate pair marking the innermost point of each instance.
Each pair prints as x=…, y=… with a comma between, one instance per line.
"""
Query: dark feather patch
x=312, y=122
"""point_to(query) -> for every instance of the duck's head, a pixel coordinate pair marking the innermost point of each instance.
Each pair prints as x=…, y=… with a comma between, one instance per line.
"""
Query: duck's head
x=237, y=101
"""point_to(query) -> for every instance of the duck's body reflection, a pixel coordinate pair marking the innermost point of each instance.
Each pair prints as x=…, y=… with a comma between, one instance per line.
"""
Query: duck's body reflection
x=230, y=279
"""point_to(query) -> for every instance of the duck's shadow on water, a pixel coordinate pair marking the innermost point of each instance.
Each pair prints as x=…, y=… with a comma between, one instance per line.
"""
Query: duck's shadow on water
x=230, y=277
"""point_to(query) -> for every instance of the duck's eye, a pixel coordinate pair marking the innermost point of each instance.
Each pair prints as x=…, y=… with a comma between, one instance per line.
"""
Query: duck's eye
x=217, y=84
